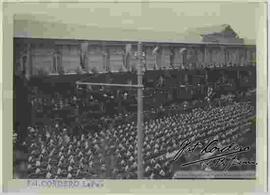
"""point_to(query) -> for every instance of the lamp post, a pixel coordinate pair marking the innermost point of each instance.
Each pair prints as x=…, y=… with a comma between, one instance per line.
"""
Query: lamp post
x=140, y=113
x=139, y=87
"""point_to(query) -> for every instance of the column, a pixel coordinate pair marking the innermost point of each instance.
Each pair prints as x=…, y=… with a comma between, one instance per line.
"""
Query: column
x=172, y=55
x=85, y=56
x=104, y=56
x=205, y=57
x=236, y=57
x=57, y=60
x=195, y=59
x=210, y=56
x=106, y=59
x=28, y=71
x=123, y=64
x=181, y=55
x=188, y=58
x=225, y=56
x=158, y=59
x=162, y=63
x=253, y=56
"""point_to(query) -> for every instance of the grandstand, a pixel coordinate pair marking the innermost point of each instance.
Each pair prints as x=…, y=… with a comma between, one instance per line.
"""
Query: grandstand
x=67, y=124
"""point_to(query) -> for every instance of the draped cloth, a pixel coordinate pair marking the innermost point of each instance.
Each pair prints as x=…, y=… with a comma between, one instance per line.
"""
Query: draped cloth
x=155, y=53
x=127, y=57
x=83, y=56
x=183, y=52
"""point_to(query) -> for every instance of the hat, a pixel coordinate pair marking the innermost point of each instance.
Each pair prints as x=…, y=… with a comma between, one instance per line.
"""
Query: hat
x=70, y=168
x=69, y=176
x=37, y=163
x=49, y=167
x=62, y=158
x=115, y=171
x=162, y=173
x=31, y=129
x=131, y=158
x=126, y=168
x=59, y=171
x=29, y=166
x=48, y=175
x=157, y=166
x=103, y=167
x=78, y=172
x=122, y=162
x=30, y=158
x=37, y=171
x=71, y=161
x=59, y=163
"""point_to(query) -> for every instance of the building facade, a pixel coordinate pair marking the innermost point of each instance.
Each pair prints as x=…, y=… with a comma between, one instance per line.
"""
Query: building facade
x=34, y=57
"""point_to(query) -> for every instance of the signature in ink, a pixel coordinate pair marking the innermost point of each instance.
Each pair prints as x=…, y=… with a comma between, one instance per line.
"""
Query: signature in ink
x=220, y=155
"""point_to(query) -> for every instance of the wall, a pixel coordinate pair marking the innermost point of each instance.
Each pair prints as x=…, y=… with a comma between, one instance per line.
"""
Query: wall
x=70, y=58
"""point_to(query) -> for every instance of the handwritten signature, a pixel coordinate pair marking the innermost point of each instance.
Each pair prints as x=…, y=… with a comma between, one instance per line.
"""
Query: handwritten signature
x=220, y=156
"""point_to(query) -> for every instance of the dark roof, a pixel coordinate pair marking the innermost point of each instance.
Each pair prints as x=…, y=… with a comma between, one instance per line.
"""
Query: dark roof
x=231, y=37
x=210, y=29
x=23, y=29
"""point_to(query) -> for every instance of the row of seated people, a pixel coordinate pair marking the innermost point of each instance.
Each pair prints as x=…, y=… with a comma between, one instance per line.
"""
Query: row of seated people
x=196, y=66
x=189, y=66
x=112, y=152
x=47, y=103
x=42, y=102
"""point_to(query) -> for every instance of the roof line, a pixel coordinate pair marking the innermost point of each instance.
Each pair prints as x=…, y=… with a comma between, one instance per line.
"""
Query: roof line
x=135, y=41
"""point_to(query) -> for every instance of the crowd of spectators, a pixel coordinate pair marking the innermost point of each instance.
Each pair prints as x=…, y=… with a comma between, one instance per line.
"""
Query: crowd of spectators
x=111, y=152
x=93, y=133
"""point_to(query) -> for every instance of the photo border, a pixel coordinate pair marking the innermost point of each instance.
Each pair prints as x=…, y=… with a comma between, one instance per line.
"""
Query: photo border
x=138, y=186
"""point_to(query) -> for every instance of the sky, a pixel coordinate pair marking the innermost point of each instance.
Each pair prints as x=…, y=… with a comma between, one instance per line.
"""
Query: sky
x=173, y=17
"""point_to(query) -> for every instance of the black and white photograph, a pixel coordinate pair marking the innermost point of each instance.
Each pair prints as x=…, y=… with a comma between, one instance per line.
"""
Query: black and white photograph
x=175, y=99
